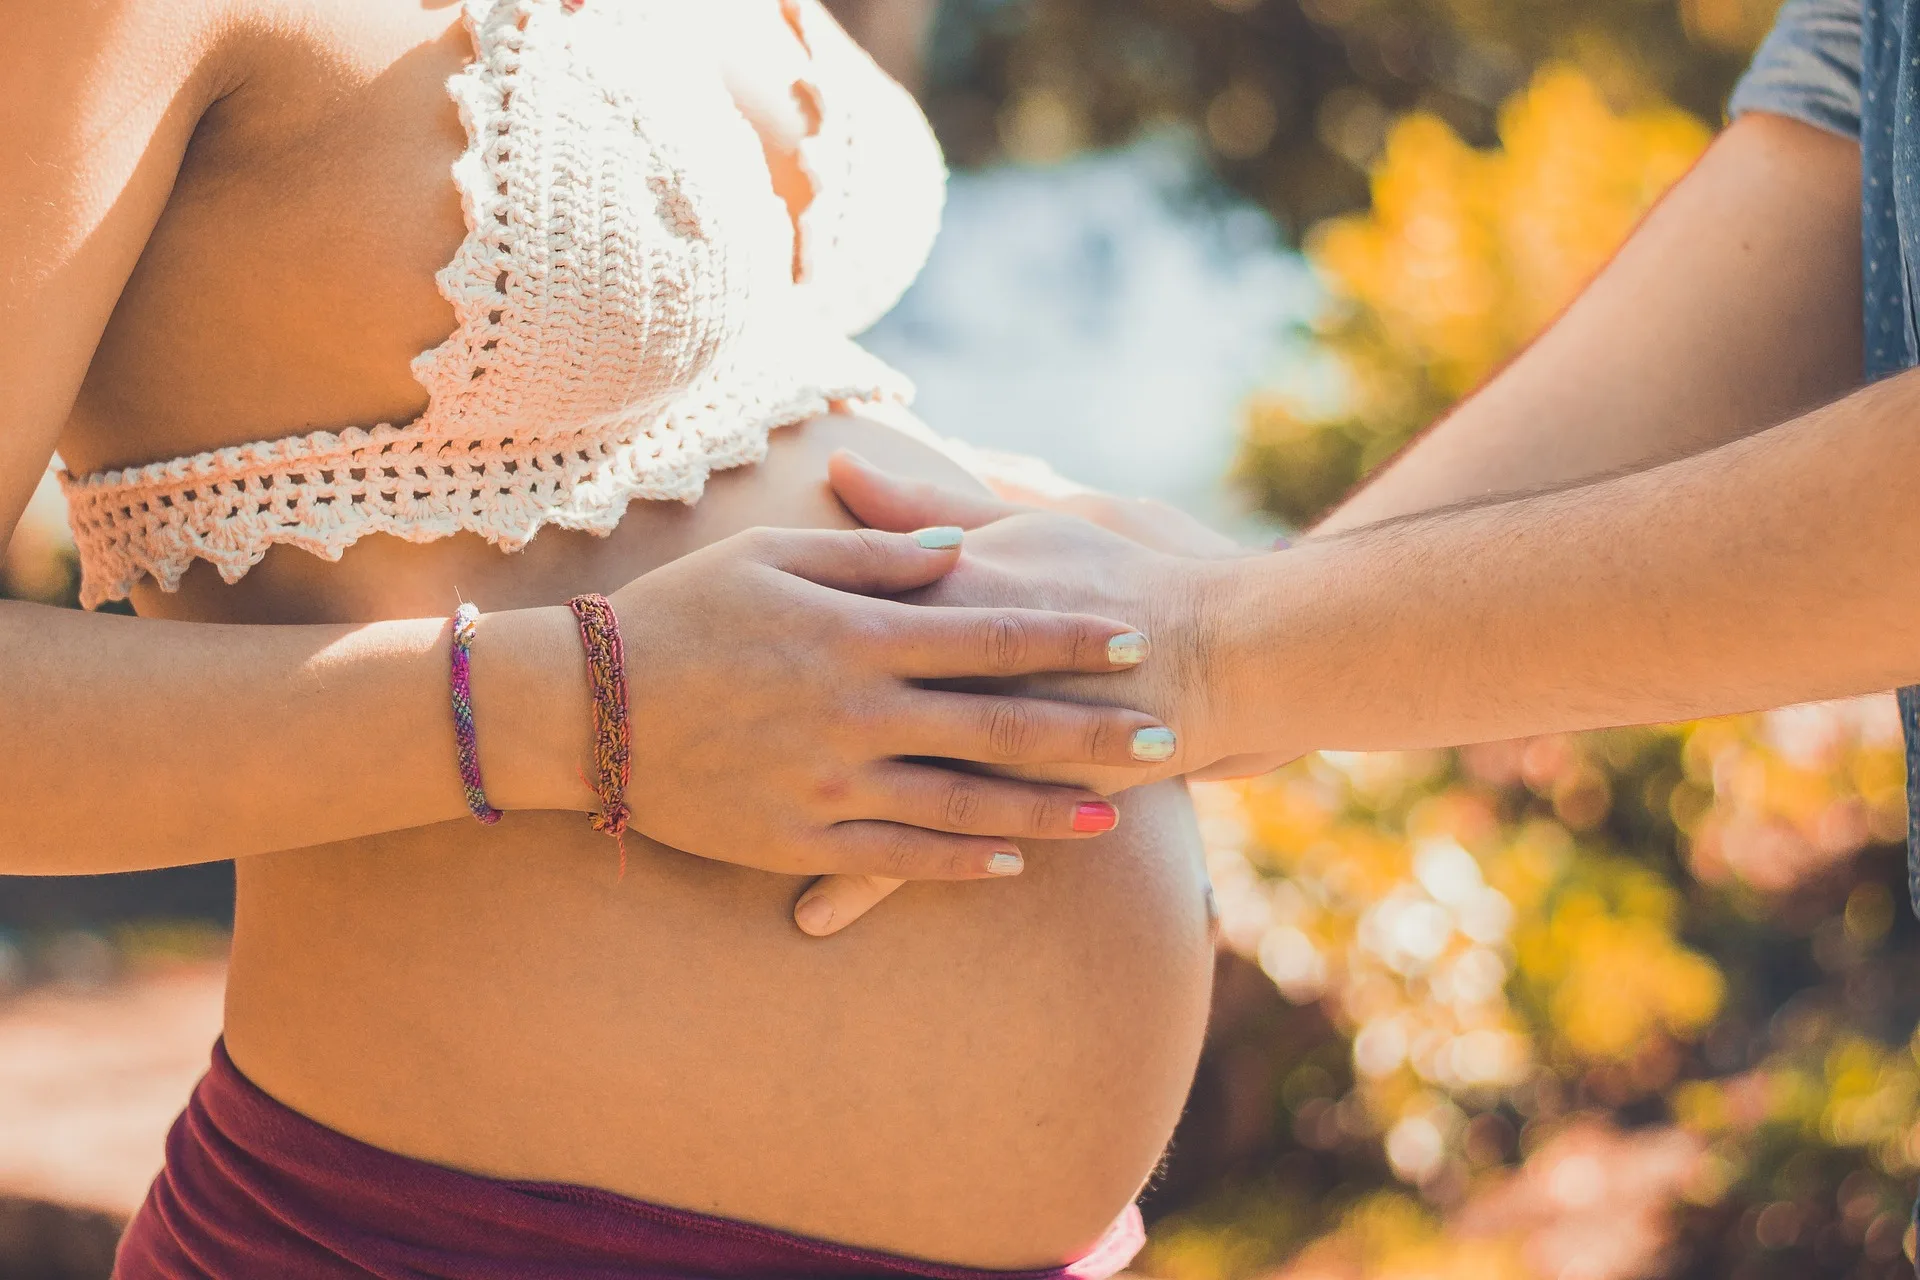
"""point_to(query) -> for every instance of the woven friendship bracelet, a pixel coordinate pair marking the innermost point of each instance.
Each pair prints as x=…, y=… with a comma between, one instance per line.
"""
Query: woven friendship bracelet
x=465, y=620
x=612, y=732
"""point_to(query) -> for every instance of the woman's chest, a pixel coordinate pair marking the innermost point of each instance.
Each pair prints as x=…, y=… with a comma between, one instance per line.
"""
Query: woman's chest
x=302, y=264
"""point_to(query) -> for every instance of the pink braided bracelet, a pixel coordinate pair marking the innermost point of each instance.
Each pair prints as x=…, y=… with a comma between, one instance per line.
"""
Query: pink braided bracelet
x=465, y=620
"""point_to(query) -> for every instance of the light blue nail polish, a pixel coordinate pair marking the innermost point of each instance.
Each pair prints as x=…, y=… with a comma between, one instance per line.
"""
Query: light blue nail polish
x=1005, y=864
x=941, y=538
x=1129, y=650
x=1154, y=746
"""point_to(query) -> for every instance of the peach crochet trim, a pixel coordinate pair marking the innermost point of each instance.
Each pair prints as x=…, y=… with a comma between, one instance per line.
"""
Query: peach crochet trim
x=660, y=343
x=323, y=492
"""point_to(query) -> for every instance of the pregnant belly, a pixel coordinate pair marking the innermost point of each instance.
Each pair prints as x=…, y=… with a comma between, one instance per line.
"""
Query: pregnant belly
x=980, y=1073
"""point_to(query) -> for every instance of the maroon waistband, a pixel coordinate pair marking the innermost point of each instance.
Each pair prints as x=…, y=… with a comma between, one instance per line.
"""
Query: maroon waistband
x=253, y=1189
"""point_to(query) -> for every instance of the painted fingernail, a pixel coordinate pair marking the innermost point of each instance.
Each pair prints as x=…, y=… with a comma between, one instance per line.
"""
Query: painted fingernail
x=1006, y=864
x=1129, y=650
x=940, y=538
x=814, y=916
x=1095, y=816
x=1151, y=746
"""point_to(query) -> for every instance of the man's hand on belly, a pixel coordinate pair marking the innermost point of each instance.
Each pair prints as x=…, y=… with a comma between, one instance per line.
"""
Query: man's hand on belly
x=1021, y=556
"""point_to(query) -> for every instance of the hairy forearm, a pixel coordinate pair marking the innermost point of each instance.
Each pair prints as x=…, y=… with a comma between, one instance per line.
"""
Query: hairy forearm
x=1735, y=306
x=1763, y=572
x=129, y=744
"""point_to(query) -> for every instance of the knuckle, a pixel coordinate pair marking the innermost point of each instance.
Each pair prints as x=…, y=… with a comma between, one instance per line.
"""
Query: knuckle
x=857, y=720
x=899, y=855
x=962, y=805
x=1008, y=638
x=832, y=790
x=1076, y=642
x=873, y=545
x=1010, y=728
x=1099, y=739
x=858, y=630
x=1048, y=814
x=807, y=854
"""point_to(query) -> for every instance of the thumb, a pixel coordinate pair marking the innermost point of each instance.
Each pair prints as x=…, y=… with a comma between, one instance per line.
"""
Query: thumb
x=865, y=561
x=882, y=500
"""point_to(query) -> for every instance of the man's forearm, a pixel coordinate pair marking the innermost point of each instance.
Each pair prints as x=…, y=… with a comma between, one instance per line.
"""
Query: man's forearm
x=1735, y=306
x=1764, y=572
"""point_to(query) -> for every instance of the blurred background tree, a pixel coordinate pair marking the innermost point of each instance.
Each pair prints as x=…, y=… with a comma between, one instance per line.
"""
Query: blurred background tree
x=1322, y=108
x=1463, y=256
x=1293, y=99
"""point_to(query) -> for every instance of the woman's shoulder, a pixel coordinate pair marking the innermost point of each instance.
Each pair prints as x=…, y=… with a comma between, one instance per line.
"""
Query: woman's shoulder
x=81, y=72
x=86, y=74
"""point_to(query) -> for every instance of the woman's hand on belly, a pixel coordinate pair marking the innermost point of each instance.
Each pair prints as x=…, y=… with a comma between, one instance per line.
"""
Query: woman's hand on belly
x=492, y=999
x=779, y=725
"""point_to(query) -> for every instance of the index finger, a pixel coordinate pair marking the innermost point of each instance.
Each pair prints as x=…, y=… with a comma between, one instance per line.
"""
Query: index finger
x=931, y=642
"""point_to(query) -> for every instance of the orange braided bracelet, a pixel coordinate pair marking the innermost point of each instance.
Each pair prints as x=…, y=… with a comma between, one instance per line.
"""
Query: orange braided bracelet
x=612, y=732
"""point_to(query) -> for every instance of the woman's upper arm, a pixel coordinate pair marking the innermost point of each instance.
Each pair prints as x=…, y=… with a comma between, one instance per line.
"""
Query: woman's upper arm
x=98, y=100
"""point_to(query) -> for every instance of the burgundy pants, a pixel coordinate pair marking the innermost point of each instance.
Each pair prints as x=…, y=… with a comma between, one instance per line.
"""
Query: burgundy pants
x=255, y=1191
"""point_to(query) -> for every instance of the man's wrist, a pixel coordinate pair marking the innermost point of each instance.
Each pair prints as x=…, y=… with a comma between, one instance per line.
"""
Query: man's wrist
x=1260, y=692
x=1204, y=592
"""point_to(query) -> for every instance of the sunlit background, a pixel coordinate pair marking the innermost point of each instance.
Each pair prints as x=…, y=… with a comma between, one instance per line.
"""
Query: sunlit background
x=1633, y=1004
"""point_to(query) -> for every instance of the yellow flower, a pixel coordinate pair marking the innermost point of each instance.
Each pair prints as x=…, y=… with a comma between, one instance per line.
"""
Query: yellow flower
x=1463, y=257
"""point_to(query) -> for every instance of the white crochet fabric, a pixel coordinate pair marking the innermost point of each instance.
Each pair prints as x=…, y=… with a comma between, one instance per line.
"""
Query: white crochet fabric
x=628, y=318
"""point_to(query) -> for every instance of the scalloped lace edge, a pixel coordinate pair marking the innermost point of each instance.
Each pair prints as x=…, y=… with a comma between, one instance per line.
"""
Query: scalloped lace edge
x=387, y=480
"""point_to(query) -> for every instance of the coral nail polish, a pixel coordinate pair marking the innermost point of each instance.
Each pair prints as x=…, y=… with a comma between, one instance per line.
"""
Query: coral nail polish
x=1094, y=817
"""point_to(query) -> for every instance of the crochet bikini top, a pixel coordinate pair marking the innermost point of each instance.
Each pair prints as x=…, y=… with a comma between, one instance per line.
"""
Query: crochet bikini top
x=635, y=305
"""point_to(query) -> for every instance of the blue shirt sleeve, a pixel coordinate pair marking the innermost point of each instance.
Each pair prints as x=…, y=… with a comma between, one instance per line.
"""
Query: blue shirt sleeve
x=1808, y=68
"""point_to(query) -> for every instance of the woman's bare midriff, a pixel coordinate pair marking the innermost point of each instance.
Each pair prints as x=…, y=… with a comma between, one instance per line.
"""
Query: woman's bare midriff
x=983, y=1073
